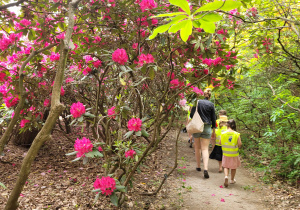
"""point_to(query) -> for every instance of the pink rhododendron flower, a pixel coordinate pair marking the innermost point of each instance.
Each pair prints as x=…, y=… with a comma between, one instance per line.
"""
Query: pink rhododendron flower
x=97, y=63
x=86, y=70
x=83, y=146
x=130, y=153
x=147, y=4
x=25, y=22
x=111, y=112
x=172, y=76
x=106, y=184
x=54, y=56
x=120, y=56
x=175, y=83
x=77, y=109
x=100, y=149
x=23, y=122
x=143, y=58
x=87, y=58
x=11, y=101
x=46, y=102
x=182, y=102
x=197, y=91
x=2, y=76
x=69, y=79
x=62, y=91
x=135, y=45
x=134, y=124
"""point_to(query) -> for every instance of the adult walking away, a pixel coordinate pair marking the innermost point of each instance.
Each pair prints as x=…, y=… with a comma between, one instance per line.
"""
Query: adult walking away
x=206, y=110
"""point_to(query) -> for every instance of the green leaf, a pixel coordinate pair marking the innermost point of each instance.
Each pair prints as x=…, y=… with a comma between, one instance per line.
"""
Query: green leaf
x=168, y=14
x=176, y=27
x=114, y=199
x=186, y=31
x=208, y=27
x=183, y=4
x=80, y=119
x=160, y=29
x=196, y=23
x=76, y=159
x=139, y=133
x=94, y=153
x=96, y=197
x=151, y=73
x=2, y=185
x=87, y=114
x=121, y=188
x=211, y=17
x=223, y=5
x=72, y=153
x=128, y=134
x=145, y=133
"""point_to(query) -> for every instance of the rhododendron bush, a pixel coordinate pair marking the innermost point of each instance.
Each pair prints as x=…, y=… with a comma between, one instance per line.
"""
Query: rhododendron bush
x=113, y=79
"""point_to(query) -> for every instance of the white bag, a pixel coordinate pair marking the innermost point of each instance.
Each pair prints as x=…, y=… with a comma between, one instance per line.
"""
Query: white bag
x=196, y=125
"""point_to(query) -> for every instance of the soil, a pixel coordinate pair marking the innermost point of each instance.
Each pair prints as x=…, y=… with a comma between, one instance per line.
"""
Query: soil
x=56, y=183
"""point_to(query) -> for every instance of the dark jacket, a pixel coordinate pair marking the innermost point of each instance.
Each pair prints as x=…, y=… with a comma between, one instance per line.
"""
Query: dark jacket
x=206, y=110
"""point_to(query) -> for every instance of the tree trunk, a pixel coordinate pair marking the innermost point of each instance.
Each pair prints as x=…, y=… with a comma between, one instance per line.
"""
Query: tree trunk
x=55, y=111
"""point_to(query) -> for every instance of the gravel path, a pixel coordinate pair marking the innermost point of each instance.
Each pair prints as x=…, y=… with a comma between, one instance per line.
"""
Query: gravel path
x=210, y=193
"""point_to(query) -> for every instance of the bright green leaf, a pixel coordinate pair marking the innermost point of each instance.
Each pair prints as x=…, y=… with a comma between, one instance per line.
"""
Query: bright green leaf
x=2, y=185
x=176, y=27
x=168, y=14
x=211, y=17
x=186, y=31
x=223, y=5
x=183, y=4
x=208, y=27
x=196, y=23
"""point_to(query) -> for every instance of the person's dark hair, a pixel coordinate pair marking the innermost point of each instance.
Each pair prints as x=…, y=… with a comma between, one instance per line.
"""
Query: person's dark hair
x=231, y=124
x=222, y=112
x=207, y=93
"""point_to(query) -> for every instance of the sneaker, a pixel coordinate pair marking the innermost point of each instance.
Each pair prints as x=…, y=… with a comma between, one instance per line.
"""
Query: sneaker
x=232, y=181
x=198, y=169
x=226, y=181
x=206, y=176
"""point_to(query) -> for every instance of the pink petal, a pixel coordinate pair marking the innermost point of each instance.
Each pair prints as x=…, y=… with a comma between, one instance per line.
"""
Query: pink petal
x=222, y=200
x=213, y=195
x=221, y=186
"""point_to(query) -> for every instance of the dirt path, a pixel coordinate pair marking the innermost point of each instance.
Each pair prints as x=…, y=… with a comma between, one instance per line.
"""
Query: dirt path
x=211, y=194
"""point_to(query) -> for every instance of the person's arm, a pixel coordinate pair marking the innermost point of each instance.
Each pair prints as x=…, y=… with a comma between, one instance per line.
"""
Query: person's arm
x=240, y=142
x=192, y=112
x=213, y=117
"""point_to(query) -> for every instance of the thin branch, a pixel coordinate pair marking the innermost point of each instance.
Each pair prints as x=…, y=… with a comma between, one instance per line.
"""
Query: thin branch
x=11, y=4
x=282, y=101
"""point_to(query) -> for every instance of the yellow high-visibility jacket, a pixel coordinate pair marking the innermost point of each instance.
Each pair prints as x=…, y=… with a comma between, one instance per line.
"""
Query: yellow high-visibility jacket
x=229, y=143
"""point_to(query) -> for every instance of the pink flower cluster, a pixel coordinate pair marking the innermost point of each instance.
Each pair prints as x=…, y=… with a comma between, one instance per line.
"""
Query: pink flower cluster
x=175, y=84
x=5, y=42
x=11, y=101
x=2, y=76
x=134, y=124
x=54, y=56
x=97, y=63
x=130, y=153
x=267, y=42
x=215, y=62
x=120, y=56
x=197, y=90
x=77, y=109
x=147, y=4
x=23, y=122
x=111, y=112
x=143, y=58
x=252, y=12
x=106, y=184
x=83, y=146
x=182, y=102
x=25, y=22
x=46, y=102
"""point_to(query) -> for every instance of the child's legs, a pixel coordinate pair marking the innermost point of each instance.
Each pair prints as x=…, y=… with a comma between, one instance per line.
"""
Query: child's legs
x=220, y=165
x=197, y=151
x=233, y=171
x=226, y=171
x=204, y=148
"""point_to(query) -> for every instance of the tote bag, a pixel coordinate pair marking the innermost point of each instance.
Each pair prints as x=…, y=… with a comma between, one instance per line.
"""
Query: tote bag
x=196, y=125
